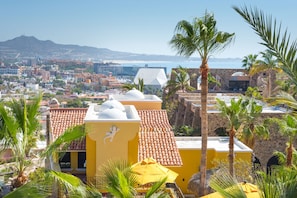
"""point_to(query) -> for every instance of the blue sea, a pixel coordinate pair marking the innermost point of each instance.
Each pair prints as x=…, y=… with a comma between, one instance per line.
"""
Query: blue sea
x=213, y=64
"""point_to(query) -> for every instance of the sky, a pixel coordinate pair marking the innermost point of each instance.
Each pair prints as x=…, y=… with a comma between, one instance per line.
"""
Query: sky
x=137, y=26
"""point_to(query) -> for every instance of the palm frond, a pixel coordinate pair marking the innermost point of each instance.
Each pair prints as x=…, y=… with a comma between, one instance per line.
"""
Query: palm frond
x=226, y=185
x=274, y=37
x=157, y=187
x=29, y=189
x=71, y=134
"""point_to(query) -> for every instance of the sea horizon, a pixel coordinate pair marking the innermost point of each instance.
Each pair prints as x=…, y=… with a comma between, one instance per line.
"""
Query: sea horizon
x=212, y=63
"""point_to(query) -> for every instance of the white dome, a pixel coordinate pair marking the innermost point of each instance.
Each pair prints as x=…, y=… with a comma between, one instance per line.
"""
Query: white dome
x=135, y=94
x=111, y=103
x=239, y=74
x=113, y=113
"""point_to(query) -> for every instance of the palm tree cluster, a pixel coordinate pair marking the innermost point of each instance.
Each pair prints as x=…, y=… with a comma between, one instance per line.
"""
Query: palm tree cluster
x=279, y=56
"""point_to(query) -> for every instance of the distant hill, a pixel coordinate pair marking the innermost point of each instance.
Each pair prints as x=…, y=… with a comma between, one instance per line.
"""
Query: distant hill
x=30, y=47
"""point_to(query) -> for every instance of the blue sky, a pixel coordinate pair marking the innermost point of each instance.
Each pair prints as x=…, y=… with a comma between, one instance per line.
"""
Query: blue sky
x=139, y=26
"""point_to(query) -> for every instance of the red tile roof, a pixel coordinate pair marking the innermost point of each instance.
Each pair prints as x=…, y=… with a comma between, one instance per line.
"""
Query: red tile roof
x=63, y=118
x=156, y=138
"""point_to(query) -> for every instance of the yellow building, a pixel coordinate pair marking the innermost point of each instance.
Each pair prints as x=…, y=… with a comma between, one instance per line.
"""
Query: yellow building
x=132, y=127
x=217, y=150
x=117, y=129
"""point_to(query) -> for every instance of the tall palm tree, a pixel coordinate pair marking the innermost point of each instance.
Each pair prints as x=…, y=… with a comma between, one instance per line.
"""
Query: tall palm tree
x=202, y=37
x=268, y=64
x=278, y=44
x=181, y=82
x=233, y=113
x=19, y=127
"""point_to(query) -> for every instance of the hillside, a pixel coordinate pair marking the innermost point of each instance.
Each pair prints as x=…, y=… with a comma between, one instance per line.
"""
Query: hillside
x=25, y=47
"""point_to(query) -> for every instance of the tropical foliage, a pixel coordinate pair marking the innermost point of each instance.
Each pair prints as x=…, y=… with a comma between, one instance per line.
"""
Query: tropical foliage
x=139, y=86
x=180, y=82
x=288, y=128
x=268, y=64
x=281, y=183
x=49, y=183
x=19, y=128
x=120, y=181
x=248, y=61
x=202, y=37
x=241, y=115
x=279, y=45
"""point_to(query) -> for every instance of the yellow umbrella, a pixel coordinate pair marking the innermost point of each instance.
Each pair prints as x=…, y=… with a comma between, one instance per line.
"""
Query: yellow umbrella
x=250, y=190
x=149, y=170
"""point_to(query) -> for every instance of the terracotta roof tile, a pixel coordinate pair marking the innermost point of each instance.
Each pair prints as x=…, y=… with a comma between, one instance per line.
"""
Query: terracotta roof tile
x=63, y=118
x=156, y=138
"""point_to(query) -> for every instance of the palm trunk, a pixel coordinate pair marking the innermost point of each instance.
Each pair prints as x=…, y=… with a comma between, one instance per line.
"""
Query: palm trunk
x=289, y=154
x=204, y=127
x=231, y=151
x=269, y=84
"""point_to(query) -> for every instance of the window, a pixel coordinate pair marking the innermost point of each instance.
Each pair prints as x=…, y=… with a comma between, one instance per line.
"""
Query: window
x=65, y=160
x=81, y=160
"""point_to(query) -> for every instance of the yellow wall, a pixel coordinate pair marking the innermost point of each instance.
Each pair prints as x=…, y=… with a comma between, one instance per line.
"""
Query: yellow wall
x=191, y=163
x=123, y=147
x=144, y=105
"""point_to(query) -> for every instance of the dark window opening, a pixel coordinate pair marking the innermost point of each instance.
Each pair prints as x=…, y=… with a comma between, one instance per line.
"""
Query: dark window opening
x=221, y=131
x=65, y=160
x=238, y=85
x=81, y=159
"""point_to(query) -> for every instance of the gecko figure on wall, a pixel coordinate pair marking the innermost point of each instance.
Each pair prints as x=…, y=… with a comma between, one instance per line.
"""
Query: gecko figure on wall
x=110, y=134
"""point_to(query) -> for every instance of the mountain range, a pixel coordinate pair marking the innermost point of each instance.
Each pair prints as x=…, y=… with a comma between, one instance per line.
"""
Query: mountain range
x=29, y=47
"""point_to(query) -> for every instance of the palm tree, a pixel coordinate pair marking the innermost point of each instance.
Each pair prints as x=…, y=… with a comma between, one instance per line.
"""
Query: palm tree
x=250, y=127
x=287, y=127
x=242, y=115
x=42, y=181
x=19, y=127
x=233, y=113
x=278, y=45
x=181, y=82
x=139, y=86
x=202, y=37
x=268, y=64
x=249, y=60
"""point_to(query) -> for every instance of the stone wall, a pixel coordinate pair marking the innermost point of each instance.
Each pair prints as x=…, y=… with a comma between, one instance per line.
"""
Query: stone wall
x=189, y=114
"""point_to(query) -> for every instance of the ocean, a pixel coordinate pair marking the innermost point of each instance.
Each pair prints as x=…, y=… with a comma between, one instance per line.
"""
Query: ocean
x=213, y=64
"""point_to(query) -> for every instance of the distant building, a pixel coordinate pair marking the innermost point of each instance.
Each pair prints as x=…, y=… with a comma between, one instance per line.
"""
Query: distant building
x=155, y=78
x=119, y=70
x=10, y=71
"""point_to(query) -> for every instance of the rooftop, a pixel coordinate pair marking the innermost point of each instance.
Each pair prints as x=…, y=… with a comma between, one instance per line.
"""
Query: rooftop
x=220, y=144
x=63, y=118
x=156, y=138
x=135, y=95
x=101, y=113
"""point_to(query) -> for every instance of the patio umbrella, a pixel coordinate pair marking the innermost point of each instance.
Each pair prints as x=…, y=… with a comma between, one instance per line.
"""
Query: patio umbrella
x=250, y=190
x=149, y=170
